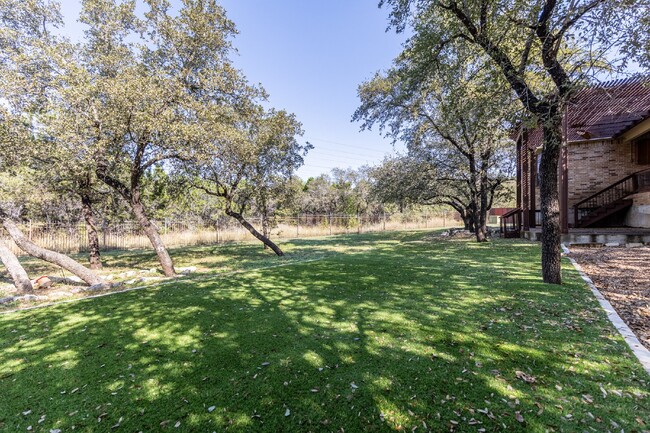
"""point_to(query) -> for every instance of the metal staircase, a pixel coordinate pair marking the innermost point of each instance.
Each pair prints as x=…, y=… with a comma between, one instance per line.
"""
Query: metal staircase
x=610, y=200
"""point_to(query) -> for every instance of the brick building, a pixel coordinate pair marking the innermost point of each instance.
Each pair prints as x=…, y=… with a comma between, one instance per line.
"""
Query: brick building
x=604, y=174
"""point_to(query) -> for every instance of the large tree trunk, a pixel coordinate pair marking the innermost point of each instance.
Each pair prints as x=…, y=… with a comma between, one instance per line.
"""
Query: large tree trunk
x=91, y=229
x=16, y=270
x=481, y=226
x=254, y=232
x=480, y=230
x=58, y=259
x=551, y=249
x=154, y=237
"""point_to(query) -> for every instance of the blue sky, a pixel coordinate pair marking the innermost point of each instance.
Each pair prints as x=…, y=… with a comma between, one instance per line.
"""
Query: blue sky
x=310, y=56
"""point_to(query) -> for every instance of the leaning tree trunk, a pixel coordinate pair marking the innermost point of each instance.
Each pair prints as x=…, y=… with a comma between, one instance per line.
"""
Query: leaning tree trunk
x=58, y=259
x=16, y=270
x=254, y=232
x=91, y=229
x=266, y=229
x=551, y=238
x=154, y=237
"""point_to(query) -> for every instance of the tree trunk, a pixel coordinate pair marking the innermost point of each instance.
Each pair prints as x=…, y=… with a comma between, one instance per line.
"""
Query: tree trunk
x=91, y=229
x=132, y=196
x=551, y=250
x=49, y=256
x=16, y=270
x=254, y=232
x=266, y=231
x=482, y=207
x=154, y=236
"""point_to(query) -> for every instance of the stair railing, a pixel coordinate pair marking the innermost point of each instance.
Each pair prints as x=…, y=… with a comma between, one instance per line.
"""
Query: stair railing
x=631, y=184
x=511, y=223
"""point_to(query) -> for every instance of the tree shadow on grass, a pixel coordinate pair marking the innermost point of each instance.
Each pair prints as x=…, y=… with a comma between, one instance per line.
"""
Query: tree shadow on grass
x=392, y=333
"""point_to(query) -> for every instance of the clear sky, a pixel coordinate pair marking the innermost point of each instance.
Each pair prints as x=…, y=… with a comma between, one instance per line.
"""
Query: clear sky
x=310, y=56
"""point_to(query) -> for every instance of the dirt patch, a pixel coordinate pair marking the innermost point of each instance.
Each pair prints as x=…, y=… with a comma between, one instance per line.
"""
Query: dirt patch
x=623, y=276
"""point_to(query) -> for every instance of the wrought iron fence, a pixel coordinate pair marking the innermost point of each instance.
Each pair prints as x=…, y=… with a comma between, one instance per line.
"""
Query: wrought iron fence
x=70, y=239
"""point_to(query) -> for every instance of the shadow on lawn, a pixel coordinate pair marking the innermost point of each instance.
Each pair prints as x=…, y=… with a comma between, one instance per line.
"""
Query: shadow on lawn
x=424, y=333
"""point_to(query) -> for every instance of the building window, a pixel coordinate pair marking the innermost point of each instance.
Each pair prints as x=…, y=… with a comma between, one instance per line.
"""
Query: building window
x=642, y=148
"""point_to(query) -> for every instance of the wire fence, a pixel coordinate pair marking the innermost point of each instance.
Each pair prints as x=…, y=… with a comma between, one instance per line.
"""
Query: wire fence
x=71, y=239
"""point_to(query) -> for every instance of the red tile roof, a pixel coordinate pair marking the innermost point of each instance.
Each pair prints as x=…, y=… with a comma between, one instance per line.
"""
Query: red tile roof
x=604, y=111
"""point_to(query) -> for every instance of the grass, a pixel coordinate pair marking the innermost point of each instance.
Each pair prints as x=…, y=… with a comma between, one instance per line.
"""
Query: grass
x=383, y=332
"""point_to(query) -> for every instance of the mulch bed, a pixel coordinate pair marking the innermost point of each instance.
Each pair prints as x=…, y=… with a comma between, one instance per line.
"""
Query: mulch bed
x=623, y=276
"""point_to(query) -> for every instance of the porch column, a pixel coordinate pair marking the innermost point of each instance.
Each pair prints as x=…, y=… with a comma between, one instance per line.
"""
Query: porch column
x=564, y=175
x=532, y=184
x=519, y=140
x=564, y=190
x=525, y=177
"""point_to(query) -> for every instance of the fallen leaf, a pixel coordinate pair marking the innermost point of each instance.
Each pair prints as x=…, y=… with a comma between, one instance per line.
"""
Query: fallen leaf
x=519, y=417
x=525, y=377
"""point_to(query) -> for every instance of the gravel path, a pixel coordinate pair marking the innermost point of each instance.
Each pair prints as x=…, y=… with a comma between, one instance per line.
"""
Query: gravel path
x=623, y=276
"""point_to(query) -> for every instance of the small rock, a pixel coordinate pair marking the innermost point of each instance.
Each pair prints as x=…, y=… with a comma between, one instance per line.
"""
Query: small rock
x=98, y=287
x=287, y=412
x=266, y=364
x=59, y=295
x=7, y=300
x=43, y=282
x=633, y=245
x=30, y=298
x=211, y=408
x=612, y=244
x=187, y=271
x=134, y=281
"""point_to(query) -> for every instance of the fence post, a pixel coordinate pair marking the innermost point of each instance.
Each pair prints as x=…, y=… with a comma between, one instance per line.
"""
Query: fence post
x=104, y=228
x=298, y=225
x=329, y=223
x=426, y=220
x=384, y=218
x=358, y=224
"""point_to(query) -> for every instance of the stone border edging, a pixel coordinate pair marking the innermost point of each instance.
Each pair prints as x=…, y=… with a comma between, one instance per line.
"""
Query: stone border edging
x=164, y=283
x=639, y=350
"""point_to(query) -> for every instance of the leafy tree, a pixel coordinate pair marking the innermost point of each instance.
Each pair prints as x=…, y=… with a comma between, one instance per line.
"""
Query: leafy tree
x=453, y=118
x=544, y=50
x=250, y=168
x=27, y=50
x=145, y=92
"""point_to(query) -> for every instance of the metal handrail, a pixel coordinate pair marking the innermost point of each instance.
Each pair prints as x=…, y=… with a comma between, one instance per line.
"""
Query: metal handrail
x=628, y=185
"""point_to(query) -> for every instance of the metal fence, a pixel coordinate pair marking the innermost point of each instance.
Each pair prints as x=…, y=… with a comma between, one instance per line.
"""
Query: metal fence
x=71, y=239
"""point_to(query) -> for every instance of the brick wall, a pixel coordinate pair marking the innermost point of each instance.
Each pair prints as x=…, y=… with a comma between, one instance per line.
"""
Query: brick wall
x=596, y=165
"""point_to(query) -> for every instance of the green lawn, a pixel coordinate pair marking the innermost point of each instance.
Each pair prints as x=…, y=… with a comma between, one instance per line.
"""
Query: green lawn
x=377, y=333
